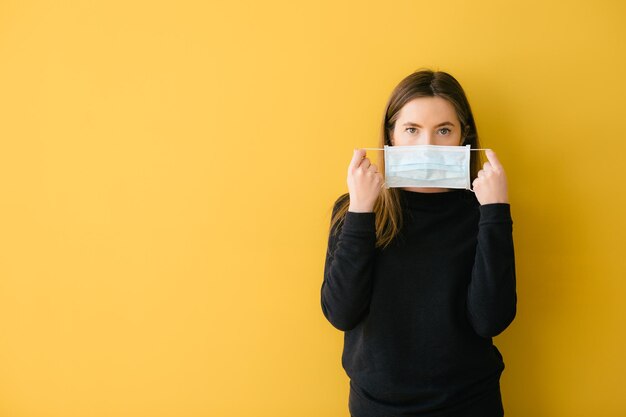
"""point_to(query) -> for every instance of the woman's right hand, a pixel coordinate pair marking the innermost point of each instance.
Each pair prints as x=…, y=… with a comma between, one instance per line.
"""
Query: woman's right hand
x=364, y=183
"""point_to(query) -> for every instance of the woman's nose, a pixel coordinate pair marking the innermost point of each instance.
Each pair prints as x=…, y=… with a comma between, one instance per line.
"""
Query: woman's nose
x=426, y=139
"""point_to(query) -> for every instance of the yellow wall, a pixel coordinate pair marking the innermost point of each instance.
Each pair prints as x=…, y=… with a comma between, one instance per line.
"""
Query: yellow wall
x=167, y=173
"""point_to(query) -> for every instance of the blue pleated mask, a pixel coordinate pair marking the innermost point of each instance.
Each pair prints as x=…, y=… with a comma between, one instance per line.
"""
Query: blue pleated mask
x=427, y=166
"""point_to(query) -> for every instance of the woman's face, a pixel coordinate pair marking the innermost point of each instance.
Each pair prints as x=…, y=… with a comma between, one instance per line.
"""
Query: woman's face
x=427, y=121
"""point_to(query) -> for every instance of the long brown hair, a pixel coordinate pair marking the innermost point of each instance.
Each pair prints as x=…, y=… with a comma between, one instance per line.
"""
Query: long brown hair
x=421, y=83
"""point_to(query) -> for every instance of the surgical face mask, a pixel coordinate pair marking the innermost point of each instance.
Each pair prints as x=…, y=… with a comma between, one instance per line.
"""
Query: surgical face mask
x=427, y=166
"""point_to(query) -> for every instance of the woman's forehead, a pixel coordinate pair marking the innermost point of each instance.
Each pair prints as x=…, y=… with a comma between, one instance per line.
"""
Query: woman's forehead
x=428, y=110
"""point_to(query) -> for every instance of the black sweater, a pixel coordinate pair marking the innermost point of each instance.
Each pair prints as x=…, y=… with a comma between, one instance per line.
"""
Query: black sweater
x=419, y=315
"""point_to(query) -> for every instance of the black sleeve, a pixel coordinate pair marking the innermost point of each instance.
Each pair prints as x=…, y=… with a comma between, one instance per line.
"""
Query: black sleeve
x=347, y=287
x=491, y=295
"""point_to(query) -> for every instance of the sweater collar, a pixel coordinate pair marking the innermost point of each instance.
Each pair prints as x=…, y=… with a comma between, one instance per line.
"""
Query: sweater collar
x=414, y=198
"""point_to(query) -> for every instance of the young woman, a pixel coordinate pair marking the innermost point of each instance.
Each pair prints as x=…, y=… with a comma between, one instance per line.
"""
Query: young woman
x=420, y=279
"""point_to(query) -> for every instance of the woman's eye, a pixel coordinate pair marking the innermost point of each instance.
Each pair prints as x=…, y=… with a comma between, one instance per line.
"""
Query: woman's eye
x=446, y=130
x=410, y=128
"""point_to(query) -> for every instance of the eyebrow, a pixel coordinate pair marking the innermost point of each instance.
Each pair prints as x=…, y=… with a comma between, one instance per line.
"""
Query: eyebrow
x=439, y=125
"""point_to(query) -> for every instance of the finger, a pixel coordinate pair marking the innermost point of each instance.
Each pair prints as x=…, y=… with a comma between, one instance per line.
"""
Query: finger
x=365, y=164
x=357, y=157
x=480, y=173
x=493, y=159
x=487, y=166
x=372, y=168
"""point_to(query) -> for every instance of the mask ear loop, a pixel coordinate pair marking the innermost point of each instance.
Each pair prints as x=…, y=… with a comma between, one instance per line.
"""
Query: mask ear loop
x=474, y=149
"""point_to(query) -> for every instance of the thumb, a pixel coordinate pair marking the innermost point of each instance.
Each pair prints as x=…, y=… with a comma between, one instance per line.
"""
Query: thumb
x=357, y=157
x=493, y=159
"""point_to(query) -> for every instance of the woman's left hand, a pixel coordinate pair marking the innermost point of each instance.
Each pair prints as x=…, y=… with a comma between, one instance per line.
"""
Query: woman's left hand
x=490, y=185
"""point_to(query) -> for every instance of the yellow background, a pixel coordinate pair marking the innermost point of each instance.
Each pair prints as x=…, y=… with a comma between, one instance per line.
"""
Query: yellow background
x=168, y=168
